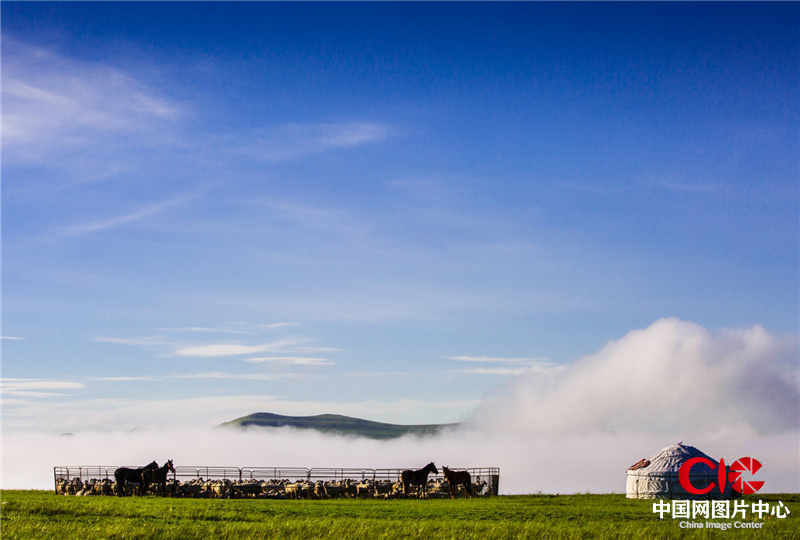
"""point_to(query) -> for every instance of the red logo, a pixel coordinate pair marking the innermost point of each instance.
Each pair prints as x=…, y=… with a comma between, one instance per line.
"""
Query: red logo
x=724, y=476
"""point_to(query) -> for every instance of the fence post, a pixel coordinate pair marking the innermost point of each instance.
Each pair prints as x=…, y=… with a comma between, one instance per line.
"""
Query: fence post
x=55, y=482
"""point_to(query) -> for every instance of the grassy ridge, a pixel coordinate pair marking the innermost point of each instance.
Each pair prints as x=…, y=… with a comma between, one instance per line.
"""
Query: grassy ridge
x=336, y=424
x=39, y=514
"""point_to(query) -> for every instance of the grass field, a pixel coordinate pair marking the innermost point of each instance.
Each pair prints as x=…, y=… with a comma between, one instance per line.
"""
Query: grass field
x=41, y=514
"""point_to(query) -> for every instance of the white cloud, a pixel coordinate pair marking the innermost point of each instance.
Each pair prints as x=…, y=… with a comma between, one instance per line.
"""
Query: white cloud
x=31, y=393
x=123, y=219
x=674, y=377
x=497, y=359
x=51, y=102
x=232, y=328
x=233, y=349
x=277, y=325
x=9, y=385
x=240, y=376
x=294, y=360
x=310, y=349
x=493, y=371
x=292, y=141
x=11, y=338
x=731, y=393
x=133, y=378
x=201, y=375
x=522, y=365
x=376, y=373
x=148, y=340
x=206, y=329
x=101, y=414
x=41, y=384
x=690, y=187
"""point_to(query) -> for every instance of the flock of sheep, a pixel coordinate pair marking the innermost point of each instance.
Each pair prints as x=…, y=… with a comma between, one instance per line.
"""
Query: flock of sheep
x=270, y=489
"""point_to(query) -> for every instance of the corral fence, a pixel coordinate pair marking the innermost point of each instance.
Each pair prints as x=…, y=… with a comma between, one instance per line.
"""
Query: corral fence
x=187, y=473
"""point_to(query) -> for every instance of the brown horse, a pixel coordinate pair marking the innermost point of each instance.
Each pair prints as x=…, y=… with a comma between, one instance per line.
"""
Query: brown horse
x=458, y=477
x=418, y=477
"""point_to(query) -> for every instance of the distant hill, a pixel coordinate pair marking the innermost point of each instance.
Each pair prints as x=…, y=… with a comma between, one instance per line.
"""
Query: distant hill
x=336, y=424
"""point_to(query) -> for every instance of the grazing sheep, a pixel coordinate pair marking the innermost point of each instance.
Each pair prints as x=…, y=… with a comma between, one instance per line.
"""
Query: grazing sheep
x=397, y=489
x=292, y=491
x=74, y=486
x=364, y=488
x=320, y=491
x=246, y=489
x=306, y=489
x=382, y=488
x=481, y=488
x=107, y=487
x=85, y=489
x=337, y=488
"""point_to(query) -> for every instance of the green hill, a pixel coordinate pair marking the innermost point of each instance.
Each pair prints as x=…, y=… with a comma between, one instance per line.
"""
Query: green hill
x=336, y=424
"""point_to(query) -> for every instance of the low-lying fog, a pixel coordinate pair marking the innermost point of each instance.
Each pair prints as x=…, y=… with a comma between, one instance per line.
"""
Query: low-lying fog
x=555, y=430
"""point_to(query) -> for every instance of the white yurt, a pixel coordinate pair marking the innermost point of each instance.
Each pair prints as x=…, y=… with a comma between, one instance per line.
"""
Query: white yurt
x=657, y=477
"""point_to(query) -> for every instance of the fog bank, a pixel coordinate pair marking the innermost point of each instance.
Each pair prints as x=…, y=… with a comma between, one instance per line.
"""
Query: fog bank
x=562, y=430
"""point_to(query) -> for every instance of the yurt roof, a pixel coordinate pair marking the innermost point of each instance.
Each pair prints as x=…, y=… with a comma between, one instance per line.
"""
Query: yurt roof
x=671, y=458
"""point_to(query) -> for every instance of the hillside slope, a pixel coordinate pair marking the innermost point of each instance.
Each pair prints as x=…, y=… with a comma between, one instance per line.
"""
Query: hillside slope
x=336, y=424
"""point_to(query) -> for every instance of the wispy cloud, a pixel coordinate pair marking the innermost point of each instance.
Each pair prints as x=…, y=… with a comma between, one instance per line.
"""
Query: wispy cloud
x=38, y=384
x=234, y=349
x=376, y=374
x=294, y=360
x=238, y=328
x=36, y=388
x=206, y=330
x=310, y=349
x=51, y=102
x=292, y=141
x=277, y=325
x=137, y=214
x=133, y=378
x=199, y=375
x=329, y=220
x=32, y=393
x=690, y=187
x=239, y=376
x=144, y=341
x=504, y=365
x=493, y=371
x=11, y=338
x=497, y=359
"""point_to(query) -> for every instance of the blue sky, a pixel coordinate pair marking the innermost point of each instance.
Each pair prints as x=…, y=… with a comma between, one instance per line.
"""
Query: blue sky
x=379, y=209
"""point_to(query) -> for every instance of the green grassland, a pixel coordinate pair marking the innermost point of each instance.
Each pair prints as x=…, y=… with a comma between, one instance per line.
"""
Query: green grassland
x=41, y=514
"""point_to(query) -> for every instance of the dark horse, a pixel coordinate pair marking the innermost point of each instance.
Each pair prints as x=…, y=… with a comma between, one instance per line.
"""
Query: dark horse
x=418, y=478
x=457, y=477
x=124, y=475
x=158, y=476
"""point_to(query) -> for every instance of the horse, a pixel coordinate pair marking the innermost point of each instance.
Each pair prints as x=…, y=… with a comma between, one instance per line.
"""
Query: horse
x=124, y=475
x=158, y=476
x=419, y=477
x=457, y=477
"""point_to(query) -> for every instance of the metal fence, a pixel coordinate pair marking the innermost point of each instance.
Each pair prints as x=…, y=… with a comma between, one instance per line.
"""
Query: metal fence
x=184, y=473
